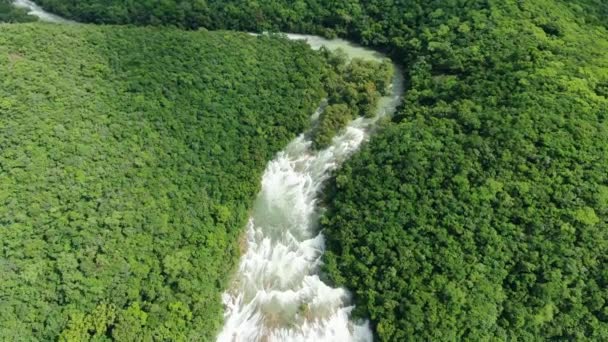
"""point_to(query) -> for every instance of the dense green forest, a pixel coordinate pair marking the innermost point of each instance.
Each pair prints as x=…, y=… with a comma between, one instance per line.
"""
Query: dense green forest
x=128, y=161
x=12, y=14
x=480, y=212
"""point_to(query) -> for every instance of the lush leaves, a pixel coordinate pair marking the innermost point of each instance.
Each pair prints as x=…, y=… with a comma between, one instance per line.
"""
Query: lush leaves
x=128, y=160
x=354, y=88
x=480, y=212
x=333, y=119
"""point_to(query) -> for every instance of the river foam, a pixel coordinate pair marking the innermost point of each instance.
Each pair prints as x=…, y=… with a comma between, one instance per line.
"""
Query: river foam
x=37, y=11
x=277, y=294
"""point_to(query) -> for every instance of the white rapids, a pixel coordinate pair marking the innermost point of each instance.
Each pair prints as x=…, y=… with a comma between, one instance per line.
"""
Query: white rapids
x=36, y=10
x=277, y=294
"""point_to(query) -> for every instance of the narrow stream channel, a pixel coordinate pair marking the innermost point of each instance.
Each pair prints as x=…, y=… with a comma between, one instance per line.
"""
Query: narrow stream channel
x=276, y=294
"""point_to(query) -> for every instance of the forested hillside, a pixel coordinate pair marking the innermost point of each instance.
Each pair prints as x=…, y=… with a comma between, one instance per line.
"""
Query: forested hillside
x=480, y=212
x=128, y=161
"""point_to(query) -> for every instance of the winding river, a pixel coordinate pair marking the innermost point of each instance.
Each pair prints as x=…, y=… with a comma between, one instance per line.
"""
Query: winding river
x=276, y=293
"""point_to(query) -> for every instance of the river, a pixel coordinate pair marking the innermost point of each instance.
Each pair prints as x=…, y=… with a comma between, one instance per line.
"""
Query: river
x=37, y=11
x=276, y=293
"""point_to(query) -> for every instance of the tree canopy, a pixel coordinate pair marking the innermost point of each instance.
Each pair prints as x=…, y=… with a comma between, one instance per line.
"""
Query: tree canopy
x=480, y=212
x=128, y=160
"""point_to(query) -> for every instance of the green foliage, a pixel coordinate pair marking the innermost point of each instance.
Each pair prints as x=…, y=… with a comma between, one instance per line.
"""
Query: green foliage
x=480, y=212
x=354, y=88
x=128, y=160
x=332, y=120
x=11, y=14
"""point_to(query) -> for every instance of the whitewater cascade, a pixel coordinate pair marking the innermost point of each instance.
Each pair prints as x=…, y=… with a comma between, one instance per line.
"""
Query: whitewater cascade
x=276, y=294
x=36, y=10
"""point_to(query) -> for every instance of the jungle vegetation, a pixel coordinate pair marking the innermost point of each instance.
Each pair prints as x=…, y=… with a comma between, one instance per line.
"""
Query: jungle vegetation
x=480, y=212
x=354, y=87
x=129, y=158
